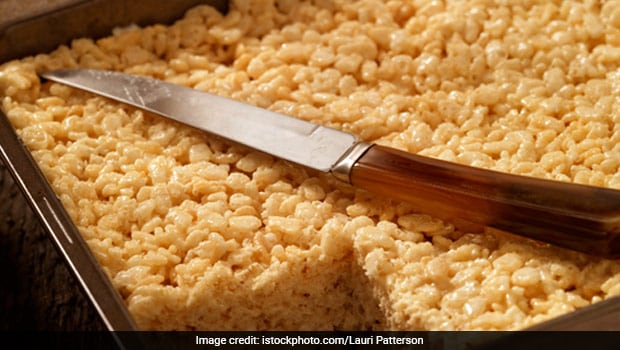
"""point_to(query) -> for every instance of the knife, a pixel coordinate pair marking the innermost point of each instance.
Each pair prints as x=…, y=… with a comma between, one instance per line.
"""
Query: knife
x=579, y=217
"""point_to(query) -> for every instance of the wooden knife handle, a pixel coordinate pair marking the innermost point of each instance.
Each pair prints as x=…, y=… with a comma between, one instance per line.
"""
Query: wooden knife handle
x=579, y=217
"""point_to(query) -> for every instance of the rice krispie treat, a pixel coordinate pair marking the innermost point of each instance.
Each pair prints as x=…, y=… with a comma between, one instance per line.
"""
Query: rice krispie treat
x=197, y=233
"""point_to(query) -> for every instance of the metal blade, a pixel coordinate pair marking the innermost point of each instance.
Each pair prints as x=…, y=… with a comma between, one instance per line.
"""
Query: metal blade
x=295, y=140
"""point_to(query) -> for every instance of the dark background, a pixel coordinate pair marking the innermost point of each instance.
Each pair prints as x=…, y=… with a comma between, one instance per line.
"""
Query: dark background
x=37, y=292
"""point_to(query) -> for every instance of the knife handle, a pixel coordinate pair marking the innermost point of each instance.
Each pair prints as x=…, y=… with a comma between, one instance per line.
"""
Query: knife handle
x=579, y=217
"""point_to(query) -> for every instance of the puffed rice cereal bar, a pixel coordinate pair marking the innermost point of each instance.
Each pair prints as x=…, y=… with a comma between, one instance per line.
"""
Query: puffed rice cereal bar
x=197, y=233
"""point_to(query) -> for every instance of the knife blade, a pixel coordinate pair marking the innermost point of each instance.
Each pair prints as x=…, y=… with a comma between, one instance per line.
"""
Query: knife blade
x=579, y=217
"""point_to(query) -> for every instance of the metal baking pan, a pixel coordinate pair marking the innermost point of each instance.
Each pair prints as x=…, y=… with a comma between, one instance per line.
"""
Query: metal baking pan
x=40, y=26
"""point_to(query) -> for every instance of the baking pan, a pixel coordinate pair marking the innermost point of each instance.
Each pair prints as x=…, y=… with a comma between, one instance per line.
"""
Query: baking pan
x=43, y=26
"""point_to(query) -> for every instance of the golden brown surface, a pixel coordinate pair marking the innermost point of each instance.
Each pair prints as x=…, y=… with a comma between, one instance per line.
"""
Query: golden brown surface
x=199, y=234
